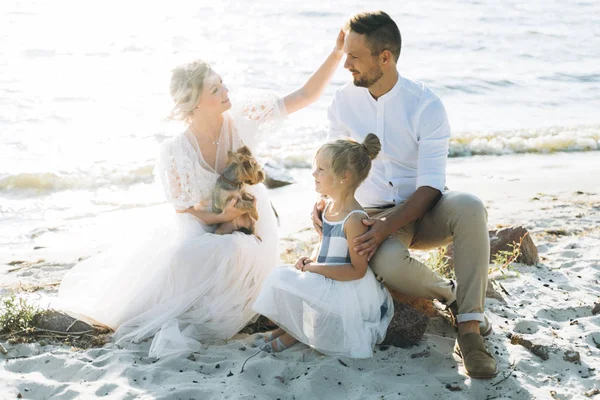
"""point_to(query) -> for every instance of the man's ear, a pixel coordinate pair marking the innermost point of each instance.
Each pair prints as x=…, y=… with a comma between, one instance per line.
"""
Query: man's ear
x=386, y=57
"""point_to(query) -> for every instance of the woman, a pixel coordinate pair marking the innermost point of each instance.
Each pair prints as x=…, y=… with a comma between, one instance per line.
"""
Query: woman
x=185, y=284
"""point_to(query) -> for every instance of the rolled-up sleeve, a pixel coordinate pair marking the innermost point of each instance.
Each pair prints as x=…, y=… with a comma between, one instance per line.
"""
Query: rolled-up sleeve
x=336, y=129
x=434, y=141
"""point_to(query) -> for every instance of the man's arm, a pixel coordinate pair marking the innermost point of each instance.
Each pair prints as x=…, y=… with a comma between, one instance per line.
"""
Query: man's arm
x=415, y=207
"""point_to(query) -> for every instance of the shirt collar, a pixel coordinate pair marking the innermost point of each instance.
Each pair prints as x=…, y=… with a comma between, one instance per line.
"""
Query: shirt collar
x=391, y=94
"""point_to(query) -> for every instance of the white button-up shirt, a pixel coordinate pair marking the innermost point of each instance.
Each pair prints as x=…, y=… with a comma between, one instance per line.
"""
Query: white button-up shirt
x=411, y=123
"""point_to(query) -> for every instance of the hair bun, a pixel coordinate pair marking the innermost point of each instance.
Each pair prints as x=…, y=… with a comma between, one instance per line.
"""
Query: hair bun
x=372, y=145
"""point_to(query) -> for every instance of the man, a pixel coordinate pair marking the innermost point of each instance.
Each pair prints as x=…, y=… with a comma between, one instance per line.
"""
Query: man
x=405, y=193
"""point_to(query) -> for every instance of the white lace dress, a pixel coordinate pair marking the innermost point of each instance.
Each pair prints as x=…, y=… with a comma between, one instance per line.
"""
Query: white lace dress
x=181, y=283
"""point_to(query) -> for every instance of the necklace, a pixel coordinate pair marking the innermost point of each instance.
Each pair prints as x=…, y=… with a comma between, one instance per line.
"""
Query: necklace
x=212, y=140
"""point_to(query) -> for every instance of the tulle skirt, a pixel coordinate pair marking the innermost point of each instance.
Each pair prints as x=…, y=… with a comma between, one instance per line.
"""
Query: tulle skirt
x=180, y=283
x=336, y=318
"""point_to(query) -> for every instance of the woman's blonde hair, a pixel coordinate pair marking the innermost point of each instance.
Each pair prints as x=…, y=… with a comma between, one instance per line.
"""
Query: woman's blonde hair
x=187, y=82
x=349, y=155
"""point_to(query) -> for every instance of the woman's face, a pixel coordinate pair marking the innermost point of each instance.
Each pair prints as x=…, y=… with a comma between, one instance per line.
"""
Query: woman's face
x=215, y=95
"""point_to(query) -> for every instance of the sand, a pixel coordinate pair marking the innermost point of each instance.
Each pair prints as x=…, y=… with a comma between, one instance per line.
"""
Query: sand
x=556, y=197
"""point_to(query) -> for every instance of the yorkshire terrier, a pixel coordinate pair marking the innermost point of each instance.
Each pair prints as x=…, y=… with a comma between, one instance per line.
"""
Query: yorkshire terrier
x=242, y=169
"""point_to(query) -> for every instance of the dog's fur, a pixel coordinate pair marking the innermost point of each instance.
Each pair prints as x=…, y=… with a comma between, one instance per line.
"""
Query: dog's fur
x=242, y=169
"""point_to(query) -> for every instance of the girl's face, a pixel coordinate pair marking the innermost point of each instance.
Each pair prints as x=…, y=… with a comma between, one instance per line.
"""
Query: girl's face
x=215, y=95
x=325, y=181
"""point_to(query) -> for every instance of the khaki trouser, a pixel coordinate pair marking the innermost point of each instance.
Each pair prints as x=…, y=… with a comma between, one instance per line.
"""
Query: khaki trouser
x=460, y=217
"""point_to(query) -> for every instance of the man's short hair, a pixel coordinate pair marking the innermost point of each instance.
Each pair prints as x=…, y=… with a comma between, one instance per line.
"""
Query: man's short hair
x=380, y=30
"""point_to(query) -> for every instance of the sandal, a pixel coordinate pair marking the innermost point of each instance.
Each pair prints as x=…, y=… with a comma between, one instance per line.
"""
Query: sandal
x=262, y=338
x=280, y=346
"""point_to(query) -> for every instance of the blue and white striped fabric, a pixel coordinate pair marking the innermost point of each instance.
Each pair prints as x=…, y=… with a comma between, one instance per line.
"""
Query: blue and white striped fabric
x=334, y=245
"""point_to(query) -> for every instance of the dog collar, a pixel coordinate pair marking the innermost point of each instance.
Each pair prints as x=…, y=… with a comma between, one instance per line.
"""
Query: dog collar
x=232, y=183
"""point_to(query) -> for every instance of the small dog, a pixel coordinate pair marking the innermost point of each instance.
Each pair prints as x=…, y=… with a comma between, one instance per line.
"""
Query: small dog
x=242, y=169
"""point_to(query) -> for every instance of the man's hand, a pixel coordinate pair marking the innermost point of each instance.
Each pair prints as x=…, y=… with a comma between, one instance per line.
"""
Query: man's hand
x=368, y=242
x=302, y=262
x=317, y=216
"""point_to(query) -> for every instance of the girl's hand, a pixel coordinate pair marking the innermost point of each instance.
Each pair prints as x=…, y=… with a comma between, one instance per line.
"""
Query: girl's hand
x=339, y=42
x=302, y=263
x=310, y=267
x=230, y=212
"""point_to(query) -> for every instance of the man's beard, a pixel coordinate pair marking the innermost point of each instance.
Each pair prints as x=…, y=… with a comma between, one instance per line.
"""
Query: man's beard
x=370, y=78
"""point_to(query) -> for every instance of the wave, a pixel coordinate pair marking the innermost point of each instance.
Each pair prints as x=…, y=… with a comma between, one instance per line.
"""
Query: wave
x=46, y=182
x=542, y=141
x=292, y=153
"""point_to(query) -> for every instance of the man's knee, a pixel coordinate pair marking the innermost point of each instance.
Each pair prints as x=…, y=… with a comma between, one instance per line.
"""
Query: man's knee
x=466, y=205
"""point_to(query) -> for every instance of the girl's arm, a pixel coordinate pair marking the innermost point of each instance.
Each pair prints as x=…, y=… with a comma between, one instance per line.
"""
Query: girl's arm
x=347, y=272
x=316, y=251
x=315, y=85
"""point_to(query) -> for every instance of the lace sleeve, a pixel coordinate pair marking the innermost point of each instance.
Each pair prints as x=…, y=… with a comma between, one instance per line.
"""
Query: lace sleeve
x=175, y=172
x=258, y=115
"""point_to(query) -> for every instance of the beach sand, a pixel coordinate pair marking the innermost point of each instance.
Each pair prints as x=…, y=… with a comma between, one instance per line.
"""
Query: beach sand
x=556, y=197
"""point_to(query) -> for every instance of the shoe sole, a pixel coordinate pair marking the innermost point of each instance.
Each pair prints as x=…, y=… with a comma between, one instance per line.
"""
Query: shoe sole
x=476, y=376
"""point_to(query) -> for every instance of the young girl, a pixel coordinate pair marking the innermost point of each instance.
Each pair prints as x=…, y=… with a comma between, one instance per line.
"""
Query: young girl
x=333, y=304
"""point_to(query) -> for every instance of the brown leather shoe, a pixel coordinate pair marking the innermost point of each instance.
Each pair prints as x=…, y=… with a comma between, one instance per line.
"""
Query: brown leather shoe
x=478, y=362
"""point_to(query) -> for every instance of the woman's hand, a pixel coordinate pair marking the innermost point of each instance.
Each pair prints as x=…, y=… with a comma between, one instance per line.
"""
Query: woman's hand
x=203, y=205
x=230, y=212
x=302, y=263
x=339, y=42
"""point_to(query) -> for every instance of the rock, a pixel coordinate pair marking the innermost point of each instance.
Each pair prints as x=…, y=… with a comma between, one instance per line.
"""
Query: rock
x=501, y=239
x=57, y=321
x=407, y=327
x=276, y=175
x=262, y=324
x=596, y=309
x=421, y=304
x=571, y=356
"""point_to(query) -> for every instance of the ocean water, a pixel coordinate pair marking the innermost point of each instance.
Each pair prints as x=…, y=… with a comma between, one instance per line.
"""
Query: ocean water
x=83, y=86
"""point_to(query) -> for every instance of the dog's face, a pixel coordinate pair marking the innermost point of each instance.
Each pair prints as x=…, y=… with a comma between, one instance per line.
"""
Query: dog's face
x=248, y=171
